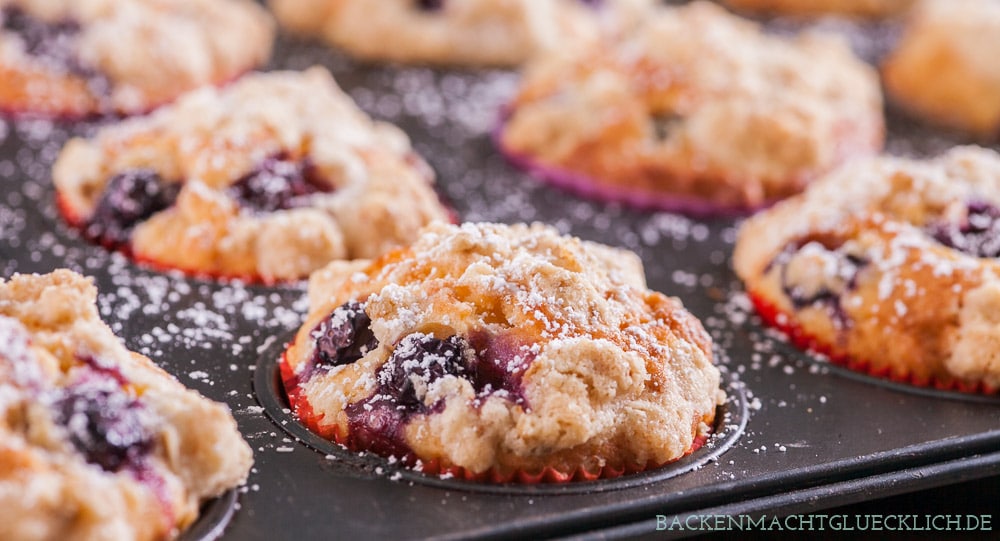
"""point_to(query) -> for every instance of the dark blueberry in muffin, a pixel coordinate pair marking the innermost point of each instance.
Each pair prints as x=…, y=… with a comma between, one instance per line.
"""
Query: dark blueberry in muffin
x=377, y=423
x=492, y=364
x=847, y=271
x=278, y=183
x=40, y=38
x=52, y=43
x=665, y=125
x=430, y=5
x=129, y=198
x=826, y=272
x=345, y=336
x=978, y=235
x=498, y=365
x=418, y=361
x=104, y=424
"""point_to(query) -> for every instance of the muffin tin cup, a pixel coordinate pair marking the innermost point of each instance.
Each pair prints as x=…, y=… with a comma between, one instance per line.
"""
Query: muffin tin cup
x=213, y=518
x=270, y=375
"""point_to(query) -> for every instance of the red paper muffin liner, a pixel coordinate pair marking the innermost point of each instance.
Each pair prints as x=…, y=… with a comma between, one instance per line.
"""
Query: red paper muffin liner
x=16, y=114
x=586, y=186
x=784, y=322
x=304, y=412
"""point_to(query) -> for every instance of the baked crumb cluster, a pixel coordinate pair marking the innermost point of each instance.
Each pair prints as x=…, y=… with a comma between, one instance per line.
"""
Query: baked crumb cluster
x=499, y=349
x=477, y=32
x=696, y=105
x=271, y=178
x=79, y=57
x=861, y=8
x=96, y=442
x=889, y=264
x=944, y=68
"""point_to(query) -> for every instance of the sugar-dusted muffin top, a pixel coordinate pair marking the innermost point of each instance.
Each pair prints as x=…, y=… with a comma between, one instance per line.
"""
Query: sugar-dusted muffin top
x=696, y=105
x=78, y=57
x=944, y=67
x=96, y=442
x=471, y=32
x=889, y=264
x=271, y=177
x=500, y=350
x=861, y=8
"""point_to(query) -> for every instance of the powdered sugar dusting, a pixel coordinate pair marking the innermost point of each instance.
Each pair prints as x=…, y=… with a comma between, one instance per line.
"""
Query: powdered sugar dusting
x=682, y=257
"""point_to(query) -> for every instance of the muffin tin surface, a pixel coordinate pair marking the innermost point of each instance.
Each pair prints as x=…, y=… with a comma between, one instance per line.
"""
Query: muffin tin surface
x=810, y=428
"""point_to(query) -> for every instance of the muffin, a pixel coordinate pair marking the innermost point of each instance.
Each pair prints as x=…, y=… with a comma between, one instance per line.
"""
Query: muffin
x=943, y=69
x=888, y=266
x=470, y=32
x=96, y=442
x=503, y=353
x=695, y=110
x=860, y=8
x=270, y=178
x=84, y=57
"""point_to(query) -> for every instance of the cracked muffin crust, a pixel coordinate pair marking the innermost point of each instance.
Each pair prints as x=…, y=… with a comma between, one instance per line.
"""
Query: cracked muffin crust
x=889, y=266
x=944, y=68
x=503, y=353
x=270, y=178
x=96, y=442
x=695, y=110
x=79, y=57
x=860, y=8
x=470, y=32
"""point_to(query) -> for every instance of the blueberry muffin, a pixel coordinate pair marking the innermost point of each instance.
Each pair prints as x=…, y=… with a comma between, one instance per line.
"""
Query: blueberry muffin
x=96, y=442
x=889, y=266
x=695, y=110
x=860, y=8
x=503, y=353
x=466, y=32
x=944, y=69
x=80, y=57
x=270, y=178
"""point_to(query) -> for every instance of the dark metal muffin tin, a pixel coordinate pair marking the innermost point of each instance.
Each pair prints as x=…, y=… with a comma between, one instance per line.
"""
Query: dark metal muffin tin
x=794, y=430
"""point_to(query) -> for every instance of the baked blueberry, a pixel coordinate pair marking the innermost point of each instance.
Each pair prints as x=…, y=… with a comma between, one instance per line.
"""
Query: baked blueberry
x=106, y=425
x=279, y=183
x=978, y=234
x=498, y=364
x=130, y=198
x=430, y=5
x=819, y=272
x=378, y=422
x=345, y=336
x=51, y=41
x=417, y=362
